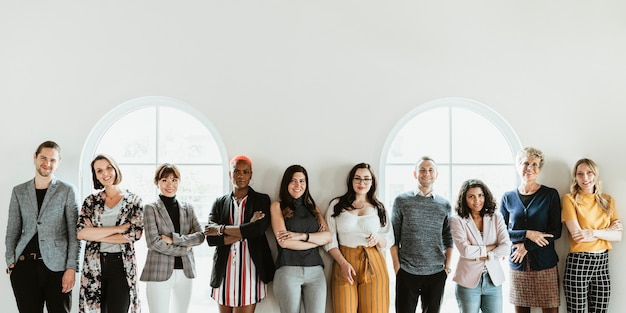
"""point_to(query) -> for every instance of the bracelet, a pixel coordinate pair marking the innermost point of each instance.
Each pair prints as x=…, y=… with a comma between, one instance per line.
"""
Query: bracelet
x=307, y=237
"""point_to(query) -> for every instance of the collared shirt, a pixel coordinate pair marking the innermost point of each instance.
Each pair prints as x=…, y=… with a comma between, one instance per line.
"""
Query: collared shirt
x=418, y=192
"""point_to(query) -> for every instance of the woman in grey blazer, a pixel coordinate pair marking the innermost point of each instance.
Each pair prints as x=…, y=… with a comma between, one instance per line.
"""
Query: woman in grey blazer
x=172, y=229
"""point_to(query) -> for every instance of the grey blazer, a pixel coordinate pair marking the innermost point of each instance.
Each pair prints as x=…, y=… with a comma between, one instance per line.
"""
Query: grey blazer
x=55, y=224
x=160, y=261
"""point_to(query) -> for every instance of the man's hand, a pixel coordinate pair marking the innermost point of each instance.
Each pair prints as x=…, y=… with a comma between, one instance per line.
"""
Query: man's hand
x=68, y=280
x=10, y=268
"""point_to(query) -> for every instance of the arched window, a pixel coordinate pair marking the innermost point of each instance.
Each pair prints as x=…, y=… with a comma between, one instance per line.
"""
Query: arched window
x=145, y=132
x=466, y=139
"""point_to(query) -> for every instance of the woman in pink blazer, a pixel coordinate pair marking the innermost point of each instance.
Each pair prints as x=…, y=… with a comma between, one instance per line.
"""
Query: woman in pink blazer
x=480, y=235
x=172, y=229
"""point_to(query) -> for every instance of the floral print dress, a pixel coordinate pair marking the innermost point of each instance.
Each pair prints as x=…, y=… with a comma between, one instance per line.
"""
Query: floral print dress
x=90, y=280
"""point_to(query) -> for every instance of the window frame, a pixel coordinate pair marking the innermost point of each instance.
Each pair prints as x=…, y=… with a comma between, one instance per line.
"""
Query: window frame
x=483, y=110
x=99, y=129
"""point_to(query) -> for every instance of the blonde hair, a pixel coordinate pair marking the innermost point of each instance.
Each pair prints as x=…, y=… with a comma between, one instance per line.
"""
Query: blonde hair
x=597, y=184
x=530, y=152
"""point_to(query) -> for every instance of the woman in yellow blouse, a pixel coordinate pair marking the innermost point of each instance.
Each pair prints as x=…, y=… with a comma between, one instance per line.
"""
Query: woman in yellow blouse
x=592, y=221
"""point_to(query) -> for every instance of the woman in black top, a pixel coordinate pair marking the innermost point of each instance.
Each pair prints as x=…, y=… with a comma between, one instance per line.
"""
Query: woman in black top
x=300, y=229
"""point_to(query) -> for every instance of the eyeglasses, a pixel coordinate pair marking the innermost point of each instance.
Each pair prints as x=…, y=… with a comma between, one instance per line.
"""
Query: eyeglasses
x=360, y=180
x=530, y=165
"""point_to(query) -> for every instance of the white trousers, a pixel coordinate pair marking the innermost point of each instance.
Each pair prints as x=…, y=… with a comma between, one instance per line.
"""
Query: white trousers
x=177, y=289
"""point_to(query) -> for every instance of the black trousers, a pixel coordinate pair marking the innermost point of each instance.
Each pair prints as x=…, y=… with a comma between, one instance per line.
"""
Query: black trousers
x=115, y=290
x=409, y=289
x=35, y=285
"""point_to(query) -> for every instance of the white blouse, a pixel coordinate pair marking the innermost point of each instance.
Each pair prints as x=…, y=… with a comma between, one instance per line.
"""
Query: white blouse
x=351, y=230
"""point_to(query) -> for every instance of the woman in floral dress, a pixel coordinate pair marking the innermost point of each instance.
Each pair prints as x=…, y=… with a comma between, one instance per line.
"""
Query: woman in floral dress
x=110, y=221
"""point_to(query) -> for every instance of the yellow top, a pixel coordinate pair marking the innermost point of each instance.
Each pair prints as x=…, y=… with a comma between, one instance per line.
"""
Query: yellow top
x=589, y=215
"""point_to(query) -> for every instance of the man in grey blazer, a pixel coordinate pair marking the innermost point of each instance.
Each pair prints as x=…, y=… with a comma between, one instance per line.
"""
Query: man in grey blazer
x=41, y=245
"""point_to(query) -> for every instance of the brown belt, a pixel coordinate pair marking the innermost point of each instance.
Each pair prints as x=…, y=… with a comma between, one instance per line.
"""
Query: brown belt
x=30, y=256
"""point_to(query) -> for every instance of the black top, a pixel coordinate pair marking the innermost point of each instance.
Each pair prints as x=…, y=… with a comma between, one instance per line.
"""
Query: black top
x=33, y=244
x=303, y=221
x=525, y=198
x=174, y=212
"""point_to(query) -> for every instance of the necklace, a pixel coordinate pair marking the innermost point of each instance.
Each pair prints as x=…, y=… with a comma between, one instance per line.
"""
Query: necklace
x=355, y=208
x=113, y=196
x=354, y=205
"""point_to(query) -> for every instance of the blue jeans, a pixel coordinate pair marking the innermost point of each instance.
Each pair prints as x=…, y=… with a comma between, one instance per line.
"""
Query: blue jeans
x=296, y=285
x=485, y=297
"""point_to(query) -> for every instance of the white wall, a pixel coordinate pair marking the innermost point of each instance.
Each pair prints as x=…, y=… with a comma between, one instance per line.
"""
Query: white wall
x=320, y=83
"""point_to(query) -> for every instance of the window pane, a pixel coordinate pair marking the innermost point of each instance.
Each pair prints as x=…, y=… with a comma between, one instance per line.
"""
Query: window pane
x=200, y=185
x=139, y=179
x=476, y=140
x=425, y=134
x=132, y=138
x=499, y=178
x=400, y=179
x=184, y=139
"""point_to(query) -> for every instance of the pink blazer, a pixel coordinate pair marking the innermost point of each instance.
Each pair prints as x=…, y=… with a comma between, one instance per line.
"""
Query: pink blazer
x=472, y=246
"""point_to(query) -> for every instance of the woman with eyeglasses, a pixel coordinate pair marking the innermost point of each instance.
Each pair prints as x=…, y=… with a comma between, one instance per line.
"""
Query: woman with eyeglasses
x=533, y=215
x=592, y=221
x=300, y=229
x=361, y=231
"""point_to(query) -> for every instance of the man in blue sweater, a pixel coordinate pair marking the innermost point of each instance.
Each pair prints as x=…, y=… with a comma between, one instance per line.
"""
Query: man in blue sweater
x=423, y=243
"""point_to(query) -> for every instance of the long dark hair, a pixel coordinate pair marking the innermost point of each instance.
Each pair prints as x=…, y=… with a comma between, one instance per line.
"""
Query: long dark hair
x=345, y=201
x=489, y=206
x=286, y=201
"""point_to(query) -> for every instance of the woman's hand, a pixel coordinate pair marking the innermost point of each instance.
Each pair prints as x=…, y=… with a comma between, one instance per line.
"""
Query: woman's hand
x=616, y=225
x=123, y=228
x=212, y=230
x=167, y=239
x=322, y=228
x=348, y=272
x=520, y=252
x=581, y=235
x=372, y=239
x=538, y=237
x=257, y=216
x=283, y=235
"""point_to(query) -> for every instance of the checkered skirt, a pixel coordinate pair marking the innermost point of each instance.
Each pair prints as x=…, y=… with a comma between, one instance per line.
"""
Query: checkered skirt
x=535, y=288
